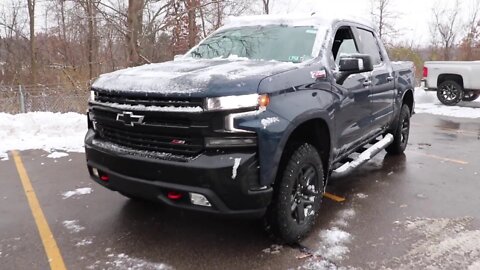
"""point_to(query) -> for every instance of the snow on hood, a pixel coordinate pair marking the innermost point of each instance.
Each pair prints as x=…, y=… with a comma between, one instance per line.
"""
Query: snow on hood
x=193, y=77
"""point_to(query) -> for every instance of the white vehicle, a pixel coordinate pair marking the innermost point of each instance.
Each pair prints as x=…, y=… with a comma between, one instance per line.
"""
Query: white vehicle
x=453, y=81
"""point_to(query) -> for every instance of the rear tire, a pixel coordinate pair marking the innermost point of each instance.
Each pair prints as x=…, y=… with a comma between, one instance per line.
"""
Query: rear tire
x=401, y=134
x=450, y=93
x=470, y=95
x=297, y=196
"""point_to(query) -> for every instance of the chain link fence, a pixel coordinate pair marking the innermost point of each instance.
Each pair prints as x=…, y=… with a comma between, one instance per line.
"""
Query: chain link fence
x=52, y=98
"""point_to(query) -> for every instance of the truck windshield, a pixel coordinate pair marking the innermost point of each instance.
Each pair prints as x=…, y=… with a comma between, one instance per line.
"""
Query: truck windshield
x=280, y=43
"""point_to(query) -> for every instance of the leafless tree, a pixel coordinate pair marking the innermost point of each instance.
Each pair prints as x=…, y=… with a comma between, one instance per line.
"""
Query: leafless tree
x=445, y=25
x=266, y=6
x=33, y=53
x=384, y=19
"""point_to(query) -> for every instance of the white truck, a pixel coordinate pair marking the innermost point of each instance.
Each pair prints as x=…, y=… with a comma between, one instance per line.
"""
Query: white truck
x=454, y=81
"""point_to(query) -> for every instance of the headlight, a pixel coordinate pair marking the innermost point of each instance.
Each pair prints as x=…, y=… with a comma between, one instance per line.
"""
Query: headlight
x=237, y=102
x=92, y=95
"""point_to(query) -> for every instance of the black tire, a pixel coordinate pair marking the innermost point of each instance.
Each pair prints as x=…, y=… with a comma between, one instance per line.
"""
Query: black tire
x=470, y=95
x=297, y=195
x=401, y=134
x=450, y=93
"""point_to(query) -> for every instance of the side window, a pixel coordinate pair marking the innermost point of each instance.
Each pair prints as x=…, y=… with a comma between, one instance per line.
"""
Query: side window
x=370, y=45
x=344, y=43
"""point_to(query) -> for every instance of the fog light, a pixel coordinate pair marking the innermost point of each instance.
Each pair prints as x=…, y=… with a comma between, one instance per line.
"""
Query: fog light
x=199, y=199
x=230, y=142
x=95, y=172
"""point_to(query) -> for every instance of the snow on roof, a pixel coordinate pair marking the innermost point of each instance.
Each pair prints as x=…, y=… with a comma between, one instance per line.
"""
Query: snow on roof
x=292, y=20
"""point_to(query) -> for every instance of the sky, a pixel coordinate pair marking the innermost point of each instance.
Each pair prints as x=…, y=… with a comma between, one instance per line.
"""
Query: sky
x=413, y=16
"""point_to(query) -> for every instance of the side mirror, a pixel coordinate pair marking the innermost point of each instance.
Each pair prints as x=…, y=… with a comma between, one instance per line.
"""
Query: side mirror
x=353, y=64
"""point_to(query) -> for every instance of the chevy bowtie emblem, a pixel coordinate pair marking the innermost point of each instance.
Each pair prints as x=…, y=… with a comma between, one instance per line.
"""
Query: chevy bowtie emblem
x=130, y=119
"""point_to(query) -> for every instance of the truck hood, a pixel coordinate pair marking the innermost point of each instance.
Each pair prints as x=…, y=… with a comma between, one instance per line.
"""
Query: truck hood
x=193, y=77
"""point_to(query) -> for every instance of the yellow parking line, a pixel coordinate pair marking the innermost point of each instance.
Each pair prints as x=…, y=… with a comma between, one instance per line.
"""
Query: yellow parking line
x=50, y=245
x=461, y=162
x=333, y=197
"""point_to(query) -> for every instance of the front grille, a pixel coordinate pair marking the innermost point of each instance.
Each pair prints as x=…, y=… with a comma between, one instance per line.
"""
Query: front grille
x=146, y=100
x=141, y=140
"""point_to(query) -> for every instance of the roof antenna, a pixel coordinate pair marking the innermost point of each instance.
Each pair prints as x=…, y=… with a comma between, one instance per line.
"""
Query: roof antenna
x=313, y=13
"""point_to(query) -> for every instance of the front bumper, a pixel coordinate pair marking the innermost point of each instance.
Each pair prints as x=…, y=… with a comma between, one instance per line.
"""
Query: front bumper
x=211, y=175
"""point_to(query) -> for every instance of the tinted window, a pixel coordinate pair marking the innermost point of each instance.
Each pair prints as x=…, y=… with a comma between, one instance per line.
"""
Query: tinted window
x=343, y=43
x=370, y=46
x=281, y=43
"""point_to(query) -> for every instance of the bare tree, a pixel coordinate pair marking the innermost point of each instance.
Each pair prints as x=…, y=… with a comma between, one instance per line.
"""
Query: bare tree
x=134, y=30
x=469, y=42
x=266, y=6
x=33, y=53
x=383, y=18
x=446, y=26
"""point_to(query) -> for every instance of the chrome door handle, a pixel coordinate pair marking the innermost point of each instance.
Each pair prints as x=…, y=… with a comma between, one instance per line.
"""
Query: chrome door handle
x=390, y=78
x=367, y=83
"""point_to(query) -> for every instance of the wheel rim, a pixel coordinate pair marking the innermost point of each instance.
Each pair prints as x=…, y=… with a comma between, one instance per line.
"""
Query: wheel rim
x=405, y=130
x=304, y=194
x=449, y=92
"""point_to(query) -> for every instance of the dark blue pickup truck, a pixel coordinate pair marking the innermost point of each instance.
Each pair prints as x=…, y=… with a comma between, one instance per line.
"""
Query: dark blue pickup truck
x=253, y=121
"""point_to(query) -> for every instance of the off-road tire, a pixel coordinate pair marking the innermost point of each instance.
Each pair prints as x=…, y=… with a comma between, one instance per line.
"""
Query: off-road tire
x=401, y=134
x=284, y=216
x=450, y=93
x=471, y=95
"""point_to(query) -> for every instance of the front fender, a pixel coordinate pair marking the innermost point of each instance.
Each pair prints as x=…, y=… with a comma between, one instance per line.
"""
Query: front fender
x=275, y=126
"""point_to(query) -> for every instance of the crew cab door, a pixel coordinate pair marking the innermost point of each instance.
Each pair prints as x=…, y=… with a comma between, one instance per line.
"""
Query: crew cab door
x=382, y=90
x=352, y=121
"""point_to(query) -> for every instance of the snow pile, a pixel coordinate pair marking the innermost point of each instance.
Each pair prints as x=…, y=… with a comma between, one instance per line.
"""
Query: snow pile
x=443, y=244
x=72, y=226
x=333, y=244
x=57, y=155
x=124, y=262
x=427, y=102
x=42, y=130
x=77, y=192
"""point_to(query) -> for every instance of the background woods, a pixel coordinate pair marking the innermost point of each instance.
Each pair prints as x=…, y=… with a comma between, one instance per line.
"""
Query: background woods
x=70, y=42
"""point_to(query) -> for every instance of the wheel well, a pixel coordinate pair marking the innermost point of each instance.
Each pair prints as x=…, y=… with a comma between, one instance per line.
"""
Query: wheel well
x=408, y=100
x=316, y=133
x=450, y=77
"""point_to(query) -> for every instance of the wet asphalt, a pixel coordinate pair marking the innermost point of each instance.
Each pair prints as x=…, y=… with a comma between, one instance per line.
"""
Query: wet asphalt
x=437, y=178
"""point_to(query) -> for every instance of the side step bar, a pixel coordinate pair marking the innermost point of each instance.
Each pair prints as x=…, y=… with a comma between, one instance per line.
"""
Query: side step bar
x=368, y=154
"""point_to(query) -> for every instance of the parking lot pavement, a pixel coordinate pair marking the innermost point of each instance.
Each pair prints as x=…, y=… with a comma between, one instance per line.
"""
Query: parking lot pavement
x=406, y=212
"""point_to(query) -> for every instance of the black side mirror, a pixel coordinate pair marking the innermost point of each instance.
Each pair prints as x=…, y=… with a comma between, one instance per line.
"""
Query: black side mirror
x=353, y=64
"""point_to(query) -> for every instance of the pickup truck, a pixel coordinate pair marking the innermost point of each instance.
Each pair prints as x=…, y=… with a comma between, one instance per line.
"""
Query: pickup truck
x=454, y=81
x=253, y=121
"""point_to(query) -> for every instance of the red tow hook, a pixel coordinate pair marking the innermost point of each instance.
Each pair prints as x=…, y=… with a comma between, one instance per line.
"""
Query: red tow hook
x=174, y=196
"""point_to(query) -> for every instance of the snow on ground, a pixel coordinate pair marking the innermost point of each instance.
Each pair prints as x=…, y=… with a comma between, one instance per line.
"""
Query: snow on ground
x=444, y=243
x=124, y=262
x=427, y=102
x=57, y=155
x=333, y=246
x=72, y=226
x=77, y=192
x=42, y=130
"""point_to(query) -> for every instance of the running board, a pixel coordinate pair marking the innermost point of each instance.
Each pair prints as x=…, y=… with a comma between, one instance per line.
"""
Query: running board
x=368, y=154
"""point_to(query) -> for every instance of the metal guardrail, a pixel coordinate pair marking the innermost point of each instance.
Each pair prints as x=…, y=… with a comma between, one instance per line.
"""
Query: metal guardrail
x=52, y=98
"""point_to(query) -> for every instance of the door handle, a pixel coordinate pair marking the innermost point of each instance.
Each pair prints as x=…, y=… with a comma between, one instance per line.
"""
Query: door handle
x=367, y=83
x=390, y=78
